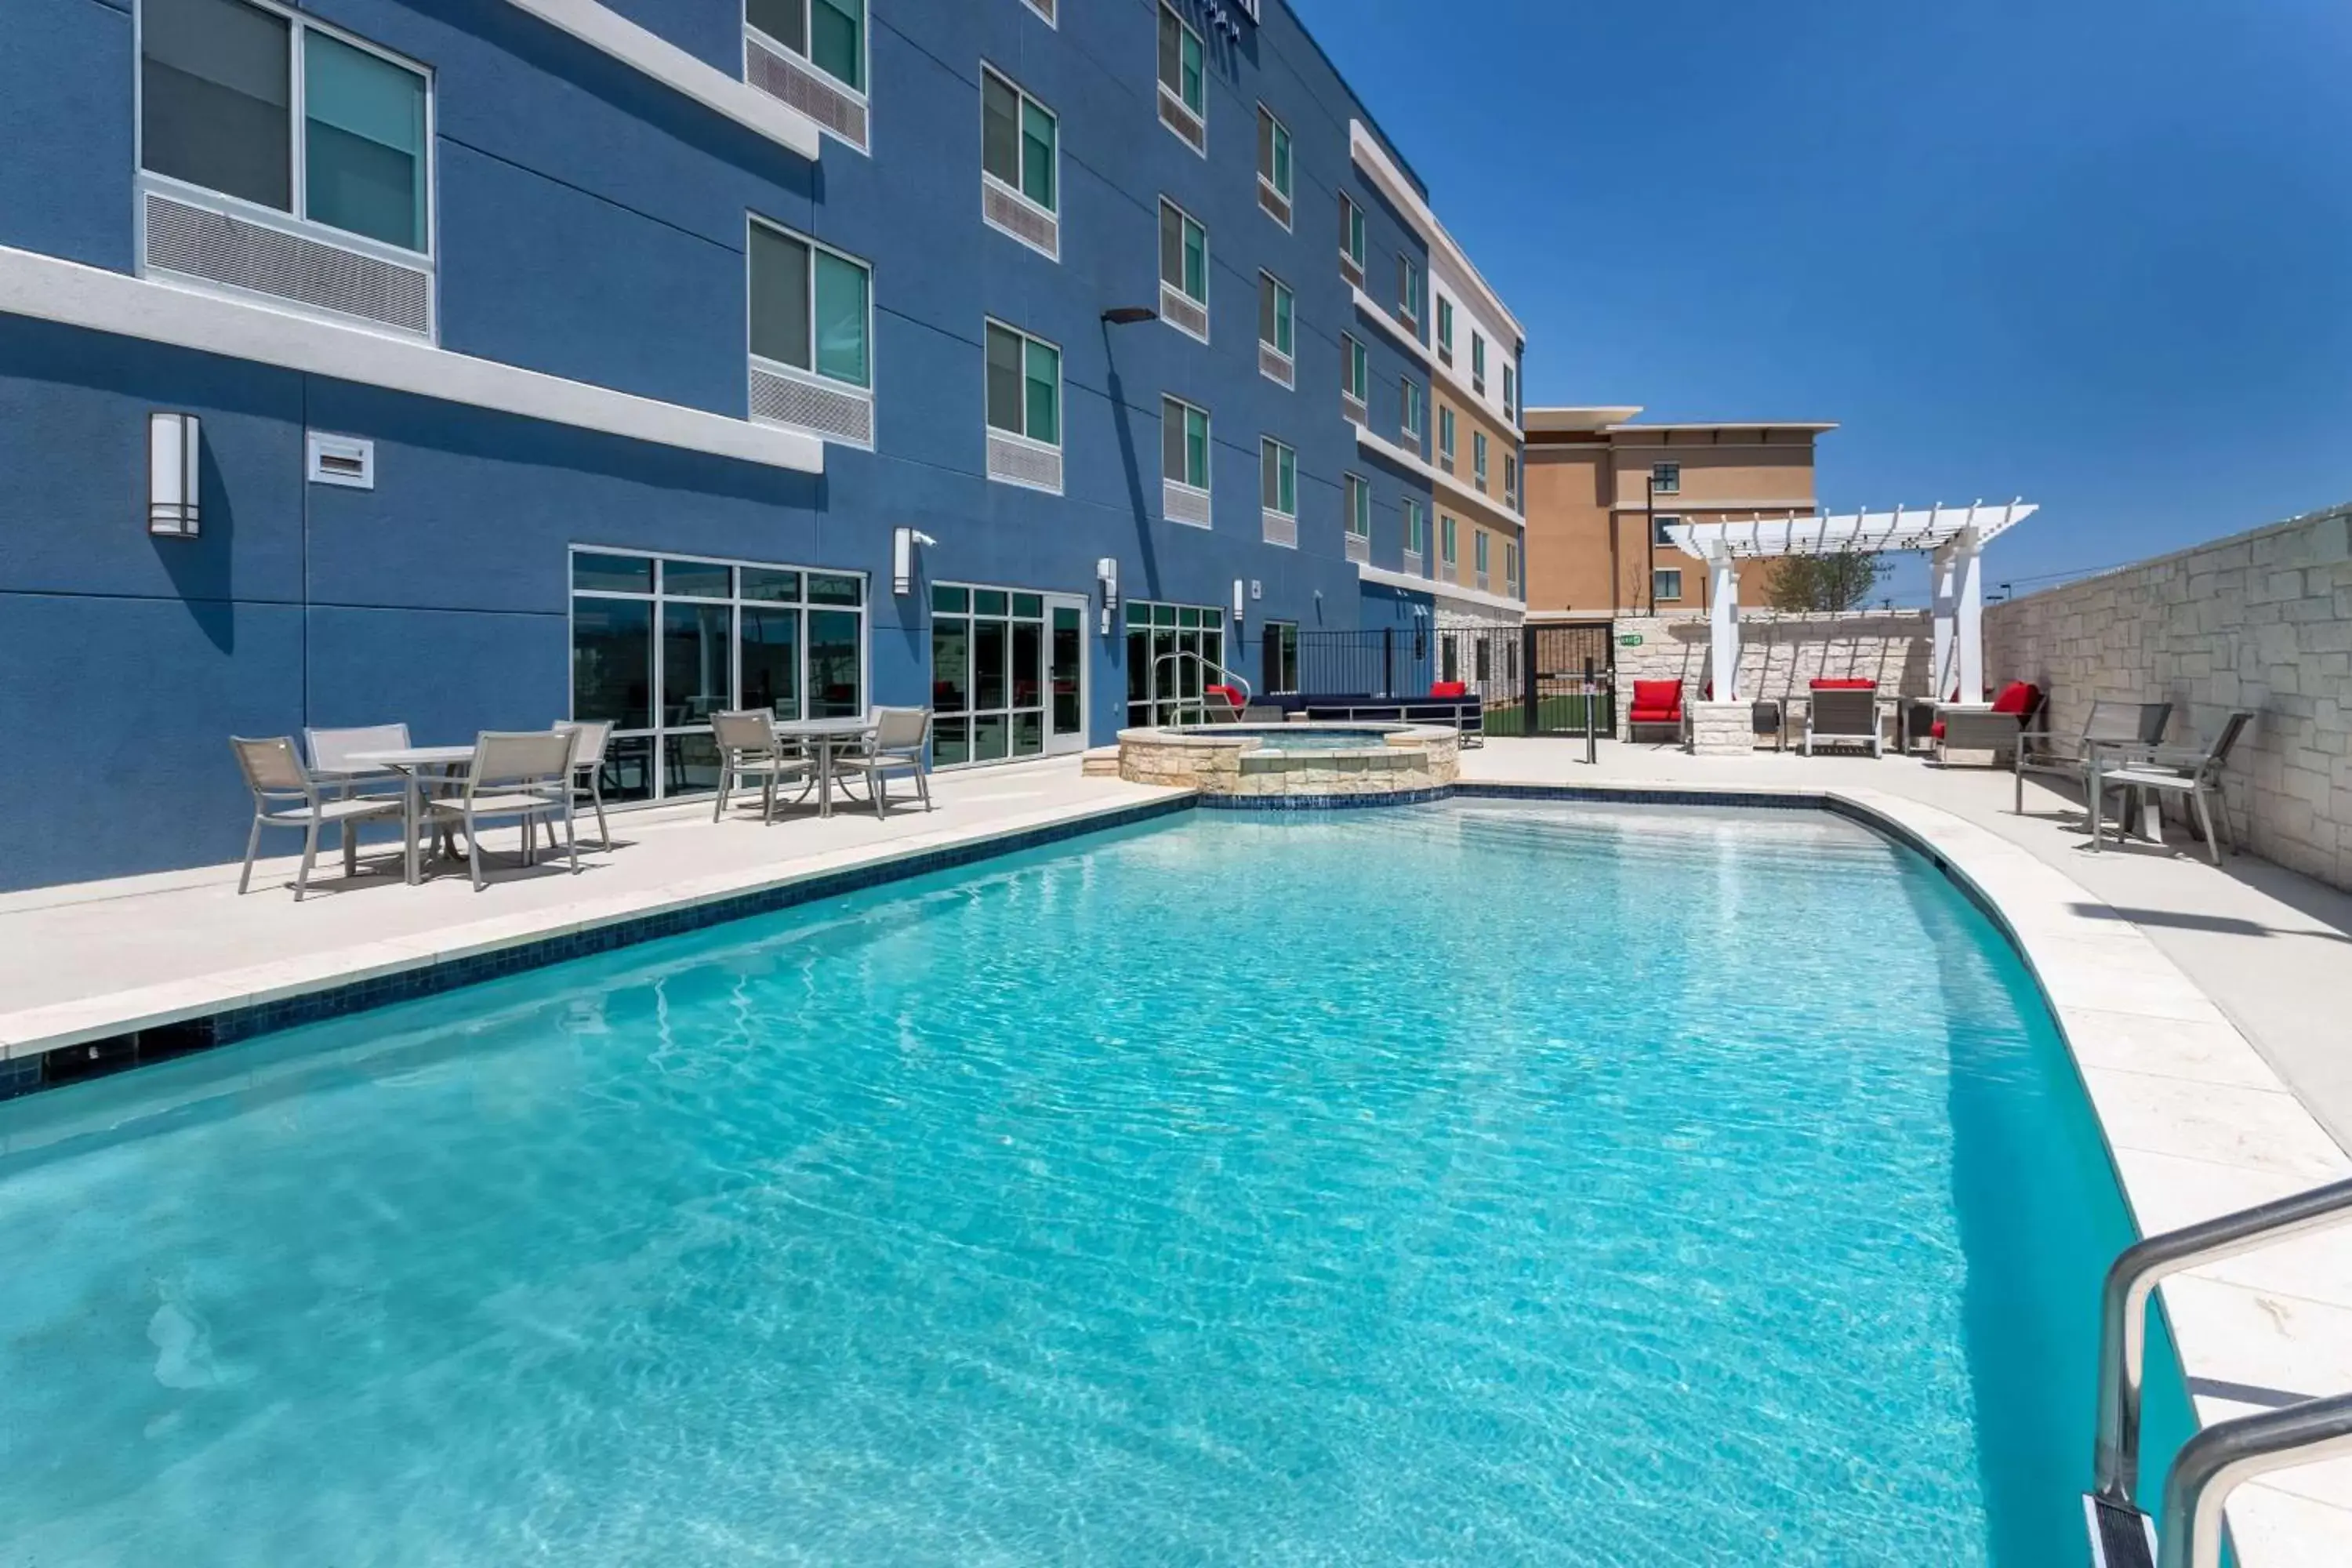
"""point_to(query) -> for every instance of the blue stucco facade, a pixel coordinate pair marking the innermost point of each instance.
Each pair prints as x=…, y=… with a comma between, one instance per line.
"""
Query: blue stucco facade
x=590, y=224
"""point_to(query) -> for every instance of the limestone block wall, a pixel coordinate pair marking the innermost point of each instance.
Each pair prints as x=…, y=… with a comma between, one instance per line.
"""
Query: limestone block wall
x=1781, y=654
x=2260, y=620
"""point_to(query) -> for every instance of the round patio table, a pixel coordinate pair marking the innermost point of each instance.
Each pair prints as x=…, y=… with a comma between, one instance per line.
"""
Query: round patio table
x=825, y=732
x=413, y=764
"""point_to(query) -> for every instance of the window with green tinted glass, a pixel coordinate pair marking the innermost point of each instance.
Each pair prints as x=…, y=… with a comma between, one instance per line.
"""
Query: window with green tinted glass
x=810, y=308
x=1277, y=326
x=1279, y=470
x=1351, y=232
x=1025, y=386
x=216, y=111
x=1183, y=253
x=1360, y=506
x=1019, y=137
x=1180, y=62
x=1355, y=369
x=1184, y=436
x=829, y=34
x=1274, y=153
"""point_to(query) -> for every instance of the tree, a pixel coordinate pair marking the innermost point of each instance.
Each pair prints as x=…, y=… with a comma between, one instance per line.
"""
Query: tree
x=1844, y=581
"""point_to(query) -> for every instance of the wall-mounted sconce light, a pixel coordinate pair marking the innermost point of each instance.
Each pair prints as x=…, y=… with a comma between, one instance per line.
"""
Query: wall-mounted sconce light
x=1241, y=601
x=1129, y=315
x=1106, y=575
x=902, y=557
x=173, y=443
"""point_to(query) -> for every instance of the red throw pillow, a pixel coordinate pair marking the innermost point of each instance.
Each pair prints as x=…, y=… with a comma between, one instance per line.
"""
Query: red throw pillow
x=2016, y=696
x=1844, y=685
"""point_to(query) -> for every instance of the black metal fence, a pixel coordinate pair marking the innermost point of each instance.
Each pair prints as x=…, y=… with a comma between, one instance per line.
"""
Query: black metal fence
x=1532, y=677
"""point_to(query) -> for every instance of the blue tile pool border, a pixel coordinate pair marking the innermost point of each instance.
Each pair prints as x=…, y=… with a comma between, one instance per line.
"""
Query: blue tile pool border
x=84, y=1059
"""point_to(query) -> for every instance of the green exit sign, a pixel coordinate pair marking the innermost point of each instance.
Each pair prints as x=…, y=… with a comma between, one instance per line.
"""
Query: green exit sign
x=1630, y=639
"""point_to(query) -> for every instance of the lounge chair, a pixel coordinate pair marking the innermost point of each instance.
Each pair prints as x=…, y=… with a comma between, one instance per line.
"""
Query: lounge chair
x=1995, y=729
x=2109, y=723
x=1657, y=704
x=1844, y=713
x=898, y=744
x=750, y=748
x=274, y=774
x=2169, y=770
x=524, y=774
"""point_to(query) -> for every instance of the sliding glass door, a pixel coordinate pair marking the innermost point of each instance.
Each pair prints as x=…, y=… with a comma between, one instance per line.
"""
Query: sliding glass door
x=1008, y=677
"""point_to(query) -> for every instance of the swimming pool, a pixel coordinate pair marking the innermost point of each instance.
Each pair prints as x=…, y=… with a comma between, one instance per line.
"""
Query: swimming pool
x=1481, y=1183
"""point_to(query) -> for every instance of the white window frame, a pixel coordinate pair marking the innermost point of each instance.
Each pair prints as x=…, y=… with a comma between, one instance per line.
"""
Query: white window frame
x=1416, y=530
x=1511, y=479
x=1061, y=383
x=1025, y=98
x=1290, y=354
x=1176, y=93
x=1449, y=539
x=1478, y=460
x=1268, y=445
x=1051, y=17
x=1445, y=332
x=1208, y=266
x=1510, y=392
x=1413, y=290
x=1356, y=496
x=1477, y=363
x=865, y=64
x=1287, y=198
x=1511, y=566
x=872, y=390
x=1413, y=420
x=1355, y=246
x=1445, y=438
x=1207, y=446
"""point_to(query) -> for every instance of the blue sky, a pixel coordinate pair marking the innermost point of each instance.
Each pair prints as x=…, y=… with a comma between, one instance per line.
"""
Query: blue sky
x=2096, y=253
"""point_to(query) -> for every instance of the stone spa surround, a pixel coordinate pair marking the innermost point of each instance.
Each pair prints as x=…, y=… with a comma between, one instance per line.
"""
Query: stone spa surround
x=1239, y=760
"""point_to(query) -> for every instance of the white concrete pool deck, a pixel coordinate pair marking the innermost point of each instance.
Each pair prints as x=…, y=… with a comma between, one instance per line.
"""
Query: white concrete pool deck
x=2207, y=1008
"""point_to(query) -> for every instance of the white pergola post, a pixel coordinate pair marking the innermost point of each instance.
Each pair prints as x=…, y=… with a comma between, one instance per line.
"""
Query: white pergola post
x=1723, y=626
x=1967, y=563
x=1944, y=578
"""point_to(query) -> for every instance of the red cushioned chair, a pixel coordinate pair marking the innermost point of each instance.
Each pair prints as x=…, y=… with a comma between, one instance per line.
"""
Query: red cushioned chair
x=1656, y=703
x=1223, y=704
x=1449, y=688
x=1994, y=729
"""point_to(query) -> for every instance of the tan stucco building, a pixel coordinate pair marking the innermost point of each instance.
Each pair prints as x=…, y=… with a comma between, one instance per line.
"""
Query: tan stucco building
x=1601, y=487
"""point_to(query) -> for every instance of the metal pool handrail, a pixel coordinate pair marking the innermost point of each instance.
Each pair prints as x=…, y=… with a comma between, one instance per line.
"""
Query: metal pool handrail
x=1229, y=678
x=2223, y=1455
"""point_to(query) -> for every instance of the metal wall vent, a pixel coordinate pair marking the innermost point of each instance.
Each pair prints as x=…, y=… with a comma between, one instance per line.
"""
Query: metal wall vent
x=1018, y=462
x=782, y=76
x=1182, y=503
x=1353, y=408
x=1282, y=528
x=844, y=413
x=345, y=460
x=1276, y=206
x=197, y=242
x=1188, y=127
x=1020, y=218
x=1276, y=366
x=1351, y=271
x=1413, y=565
x=1358, y=548
x=1182, y=311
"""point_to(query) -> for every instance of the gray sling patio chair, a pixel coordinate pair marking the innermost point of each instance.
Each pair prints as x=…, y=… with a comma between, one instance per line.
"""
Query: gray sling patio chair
x=589, y=739
x=524, y=774
x=1844, y=716
x=898, y=744
x=286, y=796
x=2161, y=771
x=331, y=752
x=749, y=749
x=2110, y=722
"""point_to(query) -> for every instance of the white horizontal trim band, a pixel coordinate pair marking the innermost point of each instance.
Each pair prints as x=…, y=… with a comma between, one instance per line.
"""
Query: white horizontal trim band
x=1438, y=588
x=1465, y=494
x=49, y=290
x=1367, y=151
x=606, y=30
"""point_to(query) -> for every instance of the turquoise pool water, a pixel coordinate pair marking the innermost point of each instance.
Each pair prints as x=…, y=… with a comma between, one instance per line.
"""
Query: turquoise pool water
x=1471, y=1183
x=1300, y=737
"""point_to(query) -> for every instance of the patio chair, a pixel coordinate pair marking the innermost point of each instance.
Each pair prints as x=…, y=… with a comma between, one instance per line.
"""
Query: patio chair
x=750, y=748
x=525, y=774
x=897, y=744
x=1844, y=713
x=2109, y=723
x=1219, y=705
x=1995, y=729
x=286, y=796
x=589, y=739
x=2173, y=770
x=1657, y=704
x=331, y=752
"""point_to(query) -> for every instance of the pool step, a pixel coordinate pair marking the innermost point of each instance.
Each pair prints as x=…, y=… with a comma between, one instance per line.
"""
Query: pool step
x=1102, y=762
x=2121, y=1537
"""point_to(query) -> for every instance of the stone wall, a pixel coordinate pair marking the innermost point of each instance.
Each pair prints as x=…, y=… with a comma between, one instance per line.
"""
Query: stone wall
x=2264, y=621
x=1780, y=654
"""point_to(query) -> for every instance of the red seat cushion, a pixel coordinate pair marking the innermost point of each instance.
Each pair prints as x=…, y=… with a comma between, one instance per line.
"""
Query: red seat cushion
x=1935, y=730
x=1449, y=688
x=1844, y=685
x=1227, y=692
x=1658, y=696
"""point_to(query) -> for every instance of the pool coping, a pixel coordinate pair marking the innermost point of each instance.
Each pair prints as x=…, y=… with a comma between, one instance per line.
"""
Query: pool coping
x=2194, y=1121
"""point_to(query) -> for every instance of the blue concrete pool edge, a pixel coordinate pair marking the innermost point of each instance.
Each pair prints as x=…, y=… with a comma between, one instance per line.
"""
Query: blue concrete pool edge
x=28, y=1074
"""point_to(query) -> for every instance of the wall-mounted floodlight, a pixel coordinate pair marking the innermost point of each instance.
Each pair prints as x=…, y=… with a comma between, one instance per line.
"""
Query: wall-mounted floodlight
x=174, y=441
x=902, y=557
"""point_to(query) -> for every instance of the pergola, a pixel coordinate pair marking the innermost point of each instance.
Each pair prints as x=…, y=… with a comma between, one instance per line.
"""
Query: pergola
x=1954, y=537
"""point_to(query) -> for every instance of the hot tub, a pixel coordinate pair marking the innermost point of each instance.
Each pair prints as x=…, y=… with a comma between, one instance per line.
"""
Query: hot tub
x=1278, y=764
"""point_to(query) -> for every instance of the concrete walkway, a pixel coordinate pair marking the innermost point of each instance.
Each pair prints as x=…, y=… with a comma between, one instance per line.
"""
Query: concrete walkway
x=2272, y=948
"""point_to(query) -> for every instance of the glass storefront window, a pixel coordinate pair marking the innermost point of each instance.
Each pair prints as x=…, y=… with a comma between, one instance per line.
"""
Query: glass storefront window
x=990, y=681
x=1167, y=647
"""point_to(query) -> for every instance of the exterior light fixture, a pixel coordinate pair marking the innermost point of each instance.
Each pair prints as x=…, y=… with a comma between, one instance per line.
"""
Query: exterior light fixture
x=174, y=444
x=902, y=557
x=1129, y=315
x=1241, y=601
x=1106, y=575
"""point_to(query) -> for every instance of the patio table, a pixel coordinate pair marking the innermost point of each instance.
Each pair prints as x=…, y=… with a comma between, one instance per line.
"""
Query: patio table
x=412, y=763
x=825, y=732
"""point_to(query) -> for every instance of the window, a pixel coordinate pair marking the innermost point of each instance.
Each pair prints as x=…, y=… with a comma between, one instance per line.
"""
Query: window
x=1025, y=386
x=1358, y=500
x=993, y=676
x=1511, y=567
x=1478, y=553
x=1411, y=415
x=1665, y=584
x=1277, y=326
x=1445, y=439
x=1510, y=392
x=829, y=34
x=1280, y=469
x=1661, y=530
x=1416, y=528
x=1511, y=479
x=1445, y=328
x=1183, y=253
x=1355, y=369
x=1018, y=140
x=812, y=308
x=1351, y=237
x=1180, y=63
x=659, y=644
x=1167, y=646
x=1409, y=288
x=1447, y=542
x=1477, y=363
x=217, y=110
x=1478, y=458
x=1665, y=478
x=1274, y=161
x=1281, y=670
x=1184, y=443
